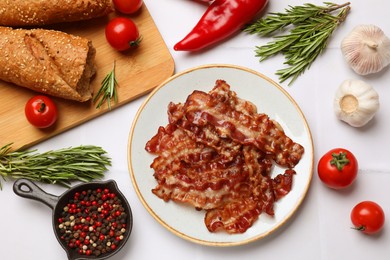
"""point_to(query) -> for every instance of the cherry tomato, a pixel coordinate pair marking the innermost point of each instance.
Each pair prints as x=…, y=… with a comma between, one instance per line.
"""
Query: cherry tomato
x=122, y=33
x=41, y=111
x=368, y=217
x=127, y=6
x=338, y=168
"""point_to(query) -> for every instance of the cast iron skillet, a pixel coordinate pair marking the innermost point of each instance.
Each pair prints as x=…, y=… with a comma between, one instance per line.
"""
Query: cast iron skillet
x=27, y=189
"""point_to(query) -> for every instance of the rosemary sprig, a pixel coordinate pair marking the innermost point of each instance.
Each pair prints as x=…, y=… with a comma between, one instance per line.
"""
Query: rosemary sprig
x=107, y=90
x=310, y=27
x=82, y=163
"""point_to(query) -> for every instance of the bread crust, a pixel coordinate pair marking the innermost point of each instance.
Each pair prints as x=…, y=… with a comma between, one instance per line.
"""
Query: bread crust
x=43, y=12
x=47, y=61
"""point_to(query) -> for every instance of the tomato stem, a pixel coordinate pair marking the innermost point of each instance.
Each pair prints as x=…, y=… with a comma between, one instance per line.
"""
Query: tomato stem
x=136, y=42
x=359, y=228
x=42, y=107
x=339, y=160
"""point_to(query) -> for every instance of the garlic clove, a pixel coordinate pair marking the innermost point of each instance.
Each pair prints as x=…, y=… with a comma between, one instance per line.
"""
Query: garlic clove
x=366, y=49
x=355, y=102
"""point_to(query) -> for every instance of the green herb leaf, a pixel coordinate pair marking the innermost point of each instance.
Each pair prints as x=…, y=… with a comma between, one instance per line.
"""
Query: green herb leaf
x=309, y=28
x=107, y=90
x=82, y=163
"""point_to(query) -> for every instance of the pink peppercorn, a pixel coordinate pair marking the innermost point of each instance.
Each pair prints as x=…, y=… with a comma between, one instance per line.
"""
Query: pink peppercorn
x=95, y=216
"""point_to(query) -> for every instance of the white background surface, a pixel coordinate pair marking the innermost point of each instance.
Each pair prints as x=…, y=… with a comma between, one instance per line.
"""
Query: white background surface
x=320, y=229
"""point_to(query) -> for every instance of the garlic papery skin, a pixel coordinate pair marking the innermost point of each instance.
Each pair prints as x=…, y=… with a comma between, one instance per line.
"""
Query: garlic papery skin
x=355, y=102
x=366, y=49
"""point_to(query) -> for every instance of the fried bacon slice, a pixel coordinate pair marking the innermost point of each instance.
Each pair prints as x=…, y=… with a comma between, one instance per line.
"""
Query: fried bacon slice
x=256, y=129
x=207, y=134
x=282, y=183
x=187, y=168
x=234, y=217
x=217, y=154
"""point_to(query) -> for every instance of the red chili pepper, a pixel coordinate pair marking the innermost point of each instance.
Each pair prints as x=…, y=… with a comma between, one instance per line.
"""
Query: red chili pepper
x=204, y=1
x=221, y=19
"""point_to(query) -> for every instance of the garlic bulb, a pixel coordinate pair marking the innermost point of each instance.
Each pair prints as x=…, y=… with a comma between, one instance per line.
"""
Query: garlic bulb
x=356, y=102
x=366, y=49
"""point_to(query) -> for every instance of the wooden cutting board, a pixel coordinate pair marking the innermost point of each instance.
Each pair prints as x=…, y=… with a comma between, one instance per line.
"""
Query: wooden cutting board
x=138, y=71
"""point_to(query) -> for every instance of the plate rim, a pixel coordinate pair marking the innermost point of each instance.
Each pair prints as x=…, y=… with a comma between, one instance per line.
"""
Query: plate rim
x=181, y=234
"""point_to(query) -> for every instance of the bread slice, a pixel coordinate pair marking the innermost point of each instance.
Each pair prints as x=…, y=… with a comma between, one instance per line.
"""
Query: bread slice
x=47, y=61
x=43, y=12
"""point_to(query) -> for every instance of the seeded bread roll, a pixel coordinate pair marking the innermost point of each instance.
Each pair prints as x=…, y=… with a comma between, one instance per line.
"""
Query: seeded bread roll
x=47, y=61
x=43, y=12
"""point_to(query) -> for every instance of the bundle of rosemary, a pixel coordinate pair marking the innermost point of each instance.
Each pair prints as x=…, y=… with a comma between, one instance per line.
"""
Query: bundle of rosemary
x=308, y=27
x=107, y=90
x=82, y=163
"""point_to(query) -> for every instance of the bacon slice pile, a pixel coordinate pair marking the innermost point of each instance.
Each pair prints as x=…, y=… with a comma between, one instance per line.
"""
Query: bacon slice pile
x=217, y=153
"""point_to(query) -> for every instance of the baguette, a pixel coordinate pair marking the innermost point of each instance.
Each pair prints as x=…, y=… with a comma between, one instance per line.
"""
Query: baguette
x=43, y=12
x=47, y=61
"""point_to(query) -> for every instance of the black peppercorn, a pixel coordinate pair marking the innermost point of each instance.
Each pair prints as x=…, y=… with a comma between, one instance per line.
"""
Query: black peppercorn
x=93, y=222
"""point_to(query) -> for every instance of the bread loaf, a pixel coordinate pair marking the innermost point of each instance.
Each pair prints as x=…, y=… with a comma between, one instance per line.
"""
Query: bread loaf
x=47, y=61
x=43, y=12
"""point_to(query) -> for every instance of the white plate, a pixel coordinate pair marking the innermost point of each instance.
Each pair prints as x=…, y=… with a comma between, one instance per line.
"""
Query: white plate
x=269, y=98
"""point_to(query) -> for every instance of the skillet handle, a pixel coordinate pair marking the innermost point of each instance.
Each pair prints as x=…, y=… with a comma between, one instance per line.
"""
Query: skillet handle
x=28, y=189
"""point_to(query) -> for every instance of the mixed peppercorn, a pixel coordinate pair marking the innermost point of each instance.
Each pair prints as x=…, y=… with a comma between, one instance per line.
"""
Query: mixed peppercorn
x=93, y=222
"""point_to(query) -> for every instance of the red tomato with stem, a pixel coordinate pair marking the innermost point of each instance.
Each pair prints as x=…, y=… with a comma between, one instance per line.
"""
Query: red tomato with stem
x=368, y=217
x=122, y=33
x=127, y=6
x=338, y=168
x=41, y=111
